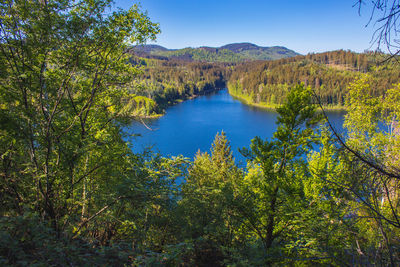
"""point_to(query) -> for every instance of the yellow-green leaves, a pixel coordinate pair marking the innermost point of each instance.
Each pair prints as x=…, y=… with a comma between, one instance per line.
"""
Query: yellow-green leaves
x=372, y=122
x=63, y=66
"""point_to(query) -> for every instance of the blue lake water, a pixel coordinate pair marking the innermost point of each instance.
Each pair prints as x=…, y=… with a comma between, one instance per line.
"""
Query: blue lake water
x=193, y=124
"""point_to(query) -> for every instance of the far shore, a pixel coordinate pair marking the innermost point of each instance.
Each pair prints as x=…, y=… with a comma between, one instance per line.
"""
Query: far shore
x=243, y=99
x=267, y=106
x=177, y=101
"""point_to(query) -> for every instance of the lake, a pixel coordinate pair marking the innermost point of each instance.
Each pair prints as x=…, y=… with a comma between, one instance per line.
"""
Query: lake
x=193, y=124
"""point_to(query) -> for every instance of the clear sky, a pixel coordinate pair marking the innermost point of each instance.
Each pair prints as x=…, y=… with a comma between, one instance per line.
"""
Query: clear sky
x=304, y=26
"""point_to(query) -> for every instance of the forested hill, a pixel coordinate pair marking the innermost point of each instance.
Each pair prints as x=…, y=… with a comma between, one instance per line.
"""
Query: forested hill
x=329, y=74
x=164, y=82
x=232, y=53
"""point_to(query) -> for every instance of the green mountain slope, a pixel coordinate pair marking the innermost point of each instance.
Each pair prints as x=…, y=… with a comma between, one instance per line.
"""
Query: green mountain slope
x=232, y=53
x=328, y=74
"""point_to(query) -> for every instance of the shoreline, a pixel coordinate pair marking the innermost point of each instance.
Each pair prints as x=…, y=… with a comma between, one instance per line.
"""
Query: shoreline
x=177, y=101
x=243, y=99
x=266, y=106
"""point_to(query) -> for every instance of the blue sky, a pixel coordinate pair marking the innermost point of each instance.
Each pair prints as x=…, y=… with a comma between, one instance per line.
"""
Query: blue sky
x=304, y=26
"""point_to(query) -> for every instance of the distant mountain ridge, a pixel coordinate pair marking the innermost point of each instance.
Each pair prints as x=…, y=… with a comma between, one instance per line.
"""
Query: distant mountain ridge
x=236, y=52
x=149, y=48
x=238, y=47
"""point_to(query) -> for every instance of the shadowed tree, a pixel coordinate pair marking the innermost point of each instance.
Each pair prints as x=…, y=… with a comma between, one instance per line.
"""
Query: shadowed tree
x=62, y=67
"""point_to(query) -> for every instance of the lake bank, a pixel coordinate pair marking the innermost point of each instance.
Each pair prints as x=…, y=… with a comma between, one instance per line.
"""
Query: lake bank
x=191, y=125
x=268, y=106
x=171, y=103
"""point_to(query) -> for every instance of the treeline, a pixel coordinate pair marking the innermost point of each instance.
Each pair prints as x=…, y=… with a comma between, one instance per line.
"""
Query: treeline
x=328, y=74
x=165, y=81
x=230, y=53
x=202, y=55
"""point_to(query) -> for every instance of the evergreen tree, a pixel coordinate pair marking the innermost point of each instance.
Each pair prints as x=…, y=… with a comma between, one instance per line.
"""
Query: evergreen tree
x=208, y=196
x=274, y=199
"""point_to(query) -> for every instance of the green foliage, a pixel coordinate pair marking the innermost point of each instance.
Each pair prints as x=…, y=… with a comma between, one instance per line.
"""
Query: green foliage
x=372, y=123
x=27, y=241
x=275, y=189
x=206, y=207
x=329, y=74
x=200, y=54
x=73, y=193
x=63, y=67
x=232, y=53
x=165, y=82
x=210, y=184
x=358, y=183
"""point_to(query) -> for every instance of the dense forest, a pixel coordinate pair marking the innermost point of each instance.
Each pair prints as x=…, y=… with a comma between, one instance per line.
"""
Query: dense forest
x=72, y=193
x=163, y=82
x=328, y=74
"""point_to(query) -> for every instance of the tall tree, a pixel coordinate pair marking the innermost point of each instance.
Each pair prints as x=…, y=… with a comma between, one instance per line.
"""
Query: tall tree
x=62, y=67
x=275, y=191
x=207, y=200
x=369, y=169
